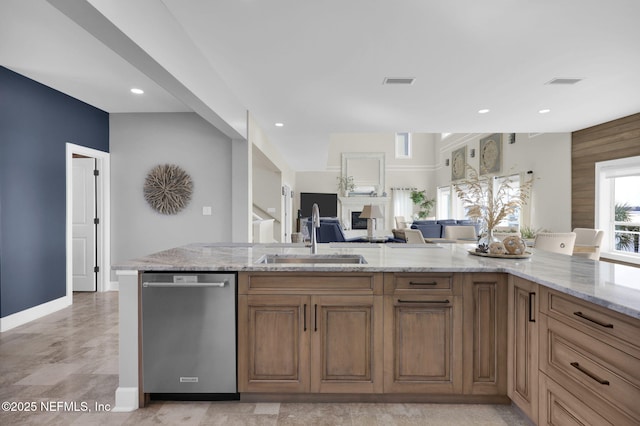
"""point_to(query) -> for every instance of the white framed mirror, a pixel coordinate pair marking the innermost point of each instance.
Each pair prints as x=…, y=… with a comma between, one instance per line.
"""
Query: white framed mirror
x=367, y=169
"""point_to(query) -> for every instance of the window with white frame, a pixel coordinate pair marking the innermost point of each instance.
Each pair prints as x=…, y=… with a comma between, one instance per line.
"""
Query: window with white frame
x=402, y=203
x=514, y=221
x=617, y=210
x=517, y=218
x=403, y=145
x=443, y=202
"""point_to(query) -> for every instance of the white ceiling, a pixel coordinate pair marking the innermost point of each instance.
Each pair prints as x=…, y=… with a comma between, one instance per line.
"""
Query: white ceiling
x=318, y=66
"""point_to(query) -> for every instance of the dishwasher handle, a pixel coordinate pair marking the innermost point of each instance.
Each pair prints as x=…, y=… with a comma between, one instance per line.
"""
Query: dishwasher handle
x=183, y=285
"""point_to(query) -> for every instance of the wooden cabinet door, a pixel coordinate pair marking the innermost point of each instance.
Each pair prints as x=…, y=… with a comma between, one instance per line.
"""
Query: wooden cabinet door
x=346, y=344
x=273, y=343
x=523, y=346
x=485, y=334
x=423, y=344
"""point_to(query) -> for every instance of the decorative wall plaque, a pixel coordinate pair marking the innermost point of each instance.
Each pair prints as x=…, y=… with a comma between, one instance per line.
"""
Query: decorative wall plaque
x=491, y=154
x=459, y=163
x=168, y=188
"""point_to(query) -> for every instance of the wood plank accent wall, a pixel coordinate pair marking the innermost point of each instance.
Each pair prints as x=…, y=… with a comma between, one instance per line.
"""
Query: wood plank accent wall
x=609, y=141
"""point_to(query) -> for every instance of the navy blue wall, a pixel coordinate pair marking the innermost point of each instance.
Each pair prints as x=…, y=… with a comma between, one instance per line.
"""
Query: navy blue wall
x=35, y=124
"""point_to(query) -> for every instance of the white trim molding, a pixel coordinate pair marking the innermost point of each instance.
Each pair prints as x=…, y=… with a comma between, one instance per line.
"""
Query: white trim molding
x=126, y=399
x=28, y=315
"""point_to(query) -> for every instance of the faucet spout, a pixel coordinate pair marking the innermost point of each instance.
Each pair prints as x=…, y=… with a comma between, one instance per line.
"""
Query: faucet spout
x=315, y=224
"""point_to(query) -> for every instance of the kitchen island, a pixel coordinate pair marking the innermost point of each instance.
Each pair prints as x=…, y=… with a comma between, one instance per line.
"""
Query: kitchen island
x=481, y=317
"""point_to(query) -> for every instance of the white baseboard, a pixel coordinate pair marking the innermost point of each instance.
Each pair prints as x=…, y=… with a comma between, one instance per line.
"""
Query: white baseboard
x=126, y=400
x=28, y=315
x=113, y=286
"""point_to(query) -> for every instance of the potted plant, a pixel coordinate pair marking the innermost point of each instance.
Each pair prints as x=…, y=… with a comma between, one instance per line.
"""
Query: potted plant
x=345, y=185
x=424, y=204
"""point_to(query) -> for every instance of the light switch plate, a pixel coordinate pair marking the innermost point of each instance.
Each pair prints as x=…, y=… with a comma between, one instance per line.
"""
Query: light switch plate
x=206, y=211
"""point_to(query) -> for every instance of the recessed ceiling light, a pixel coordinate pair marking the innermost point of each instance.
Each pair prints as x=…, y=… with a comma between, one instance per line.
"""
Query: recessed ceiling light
x=483, y=111
x=544, y=111
x=279, y=124
x=137, y=91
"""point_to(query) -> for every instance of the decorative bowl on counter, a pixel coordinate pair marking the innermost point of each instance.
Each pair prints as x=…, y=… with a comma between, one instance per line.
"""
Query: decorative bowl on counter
x=524, y=255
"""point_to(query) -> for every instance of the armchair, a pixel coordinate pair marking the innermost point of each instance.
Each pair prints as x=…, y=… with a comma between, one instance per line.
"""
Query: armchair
x=588, y=243
x=330, y=231
x=556, y=242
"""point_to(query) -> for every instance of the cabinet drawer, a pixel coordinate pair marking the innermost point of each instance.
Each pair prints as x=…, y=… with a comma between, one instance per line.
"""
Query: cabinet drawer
x=601, y=369
x=592, y=319
x=419, y=282
x=560, y=407
x=307, y=283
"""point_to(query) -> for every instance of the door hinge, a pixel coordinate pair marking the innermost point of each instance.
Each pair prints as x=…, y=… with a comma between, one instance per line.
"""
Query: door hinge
x=96, y=221
x=96, y=269
x=96, y=172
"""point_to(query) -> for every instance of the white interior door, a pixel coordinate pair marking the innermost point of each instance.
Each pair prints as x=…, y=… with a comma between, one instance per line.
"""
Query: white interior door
x=84, y=230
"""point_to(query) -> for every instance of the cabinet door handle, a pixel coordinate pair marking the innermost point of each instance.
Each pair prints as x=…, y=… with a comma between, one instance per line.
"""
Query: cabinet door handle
x=589, y=374
x=419, y=283
x=423, y=301
x=305, y=317
x=315, y=317
x=531, y=297
x=601, y=324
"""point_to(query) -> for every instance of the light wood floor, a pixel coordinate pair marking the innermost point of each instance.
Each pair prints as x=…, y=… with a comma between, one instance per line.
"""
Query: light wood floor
x=71, y=358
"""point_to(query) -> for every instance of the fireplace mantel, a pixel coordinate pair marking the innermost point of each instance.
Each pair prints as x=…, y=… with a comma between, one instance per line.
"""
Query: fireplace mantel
x=354, y=204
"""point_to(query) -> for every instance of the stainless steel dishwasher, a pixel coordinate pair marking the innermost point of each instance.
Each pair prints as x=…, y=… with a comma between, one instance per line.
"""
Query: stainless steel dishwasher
x=189, y=335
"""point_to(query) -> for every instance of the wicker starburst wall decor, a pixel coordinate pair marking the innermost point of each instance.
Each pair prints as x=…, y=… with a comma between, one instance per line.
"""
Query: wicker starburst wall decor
x=168, y=188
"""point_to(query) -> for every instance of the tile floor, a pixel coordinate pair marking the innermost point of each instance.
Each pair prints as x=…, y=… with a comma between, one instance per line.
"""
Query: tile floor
x=71, y=357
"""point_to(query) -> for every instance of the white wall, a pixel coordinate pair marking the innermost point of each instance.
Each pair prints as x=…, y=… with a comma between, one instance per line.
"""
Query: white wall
x=548, y=155
x=138, y=142
x=418, y=171
x=267, y=192
x=268, y=162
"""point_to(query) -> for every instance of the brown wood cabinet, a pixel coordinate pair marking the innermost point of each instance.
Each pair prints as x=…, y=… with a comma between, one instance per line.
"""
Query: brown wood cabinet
x=273, y=342
x=560, y=407
x=485, y=334
x=423, y=334
x=346, y=344
x=450, y=336
x=310, y=342
x=593, y=354
x=523, y=345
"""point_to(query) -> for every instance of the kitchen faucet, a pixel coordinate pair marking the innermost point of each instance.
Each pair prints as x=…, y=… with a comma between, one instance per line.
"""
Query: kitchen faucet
x=315, y=224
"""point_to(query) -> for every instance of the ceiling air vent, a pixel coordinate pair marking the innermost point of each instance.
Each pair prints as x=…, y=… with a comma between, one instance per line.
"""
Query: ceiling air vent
x=564, y=81
x=399, y=80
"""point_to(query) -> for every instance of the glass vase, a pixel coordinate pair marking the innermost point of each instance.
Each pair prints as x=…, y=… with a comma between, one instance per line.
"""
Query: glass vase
x=486, y=239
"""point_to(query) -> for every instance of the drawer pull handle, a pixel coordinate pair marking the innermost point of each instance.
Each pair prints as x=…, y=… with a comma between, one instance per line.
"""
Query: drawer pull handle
x=305, y=317
x=423, y=301
x=586, y=372
x=531, y=318
x=601, y=324
x=315, y=317
x=419, y=283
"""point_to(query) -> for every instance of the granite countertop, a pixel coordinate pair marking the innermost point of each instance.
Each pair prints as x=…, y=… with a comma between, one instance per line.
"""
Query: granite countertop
x=616, y=287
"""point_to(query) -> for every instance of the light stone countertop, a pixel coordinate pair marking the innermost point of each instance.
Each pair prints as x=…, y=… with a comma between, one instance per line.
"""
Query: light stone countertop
x=613, y=286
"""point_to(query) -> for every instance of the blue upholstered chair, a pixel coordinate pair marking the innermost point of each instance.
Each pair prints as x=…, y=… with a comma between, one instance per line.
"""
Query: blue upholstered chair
x=436, y=228
x=330, y=231
x=429, y=230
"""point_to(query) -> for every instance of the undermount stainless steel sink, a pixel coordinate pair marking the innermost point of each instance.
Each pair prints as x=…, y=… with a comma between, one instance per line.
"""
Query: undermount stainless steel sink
x=313, y=258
